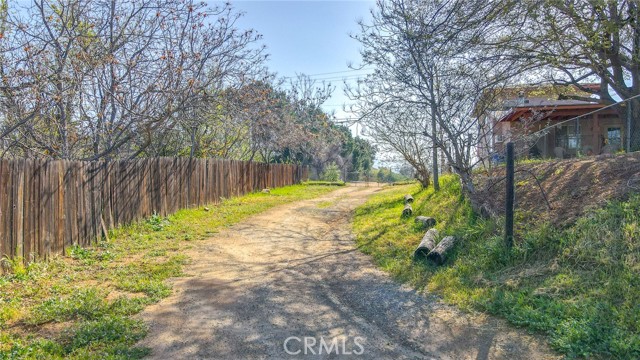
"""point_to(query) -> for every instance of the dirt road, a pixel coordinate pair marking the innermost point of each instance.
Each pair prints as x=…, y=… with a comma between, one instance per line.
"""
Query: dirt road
x=290, y=277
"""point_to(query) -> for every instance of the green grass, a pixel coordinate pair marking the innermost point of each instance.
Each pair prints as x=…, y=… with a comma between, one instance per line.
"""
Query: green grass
x=81, y=306
x=325, y=183
x=578, y=285
x=404, y=182
x=325, y=204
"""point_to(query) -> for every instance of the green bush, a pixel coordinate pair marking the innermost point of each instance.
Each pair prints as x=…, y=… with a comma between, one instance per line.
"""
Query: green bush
x=325, y=183
x=331, y=173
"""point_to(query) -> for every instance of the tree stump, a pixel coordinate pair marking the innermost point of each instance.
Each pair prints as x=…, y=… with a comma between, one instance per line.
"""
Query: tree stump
x=439, y=253
x=266, y=191
x=427, y=244
x=408, y=210
x=426, y=221
x=408, y=199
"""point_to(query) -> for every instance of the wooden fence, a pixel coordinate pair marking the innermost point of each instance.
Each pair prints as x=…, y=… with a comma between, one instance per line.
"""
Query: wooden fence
x=48, y=205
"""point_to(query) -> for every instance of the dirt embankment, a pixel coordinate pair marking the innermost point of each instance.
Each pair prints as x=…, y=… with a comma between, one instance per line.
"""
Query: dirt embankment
x=571, y=187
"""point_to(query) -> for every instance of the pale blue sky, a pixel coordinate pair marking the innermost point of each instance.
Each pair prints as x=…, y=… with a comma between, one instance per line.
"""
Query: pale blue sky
x=310, y=37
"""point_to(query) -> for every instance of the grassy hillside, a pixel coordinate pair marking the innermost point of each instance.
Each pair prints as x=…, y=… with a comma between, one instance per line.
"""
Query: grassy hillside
x=83, y=306
x=578, y=284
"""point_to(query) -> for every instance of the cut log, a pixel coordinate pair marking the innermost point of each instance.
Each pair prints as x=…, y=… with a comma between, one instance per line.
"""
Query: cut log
x=439, y=253
x=427, y=244
x=266, y=191
x=408, y=210
x=426, y=221
x=408, y=199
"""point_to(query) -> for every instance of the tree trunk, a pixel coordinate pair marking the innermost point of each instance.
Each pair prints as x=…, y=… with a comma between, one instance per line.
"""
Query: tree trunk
x=407, y=211
x=469, y=192
x=193, y=143
x=439, y=253
x=423, y=177
x=443, y=163
x=427, y=244
x=436, y=181
x=425, y=221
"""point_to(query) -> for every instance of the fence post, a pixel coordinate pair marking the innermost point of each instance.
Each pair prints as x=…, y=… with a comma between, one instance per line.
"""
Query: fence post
x=510, y=194
x=629, y=114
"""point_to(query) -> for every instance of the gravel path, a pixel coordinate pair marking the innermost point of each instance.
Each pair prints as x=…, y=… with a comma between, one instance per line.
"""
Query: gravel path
x=293, y=275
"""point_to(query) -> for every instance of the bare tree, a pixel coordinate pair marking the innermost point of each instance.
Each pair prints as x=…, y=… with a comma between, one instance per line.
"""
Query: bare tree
x=577, y=41
x=110, y=77
x=392, y=126
x=105, y=79
x=433, y=57
x=48, y=60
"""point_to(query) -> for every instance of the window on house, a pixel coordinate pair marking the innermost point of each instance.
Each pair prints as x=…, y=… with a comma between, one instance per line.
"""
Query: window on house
x=614, y=137
x=568, y=136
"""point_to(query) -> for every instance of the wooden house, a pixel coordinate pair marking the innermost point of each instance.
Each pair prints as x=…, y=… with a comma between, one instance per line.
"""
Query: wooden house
x=544, y=127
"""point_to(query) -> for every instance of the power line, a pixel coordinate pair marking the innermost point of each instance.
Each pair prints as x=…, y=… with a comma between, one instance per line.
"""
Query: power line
x=327, y=73
x=345, y=121
x=348, y=77
x=335, y=105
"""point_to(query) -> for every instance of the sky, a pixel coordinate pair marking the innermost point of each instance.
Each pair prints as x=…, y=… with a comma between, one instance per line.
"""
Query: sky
x=310, y=37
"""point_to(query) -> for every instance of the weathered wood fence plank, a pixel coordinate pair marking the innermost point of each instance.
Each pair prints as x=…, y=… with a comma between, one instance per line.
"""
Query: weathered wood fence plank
x=47, y=206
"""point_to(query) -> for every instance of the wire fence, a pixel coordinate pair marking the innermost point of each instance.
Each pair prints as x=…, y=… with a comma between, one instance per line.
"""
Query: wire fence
x=603, y=138
x=579, y=129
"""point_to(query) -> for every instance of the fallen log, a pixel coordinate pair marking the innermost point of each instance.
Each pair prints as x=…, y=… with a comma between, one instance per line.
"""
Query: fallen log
x=408, y=210
x=427, y=244
x=438, y=254
x=408, y=199
x=426, y=221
